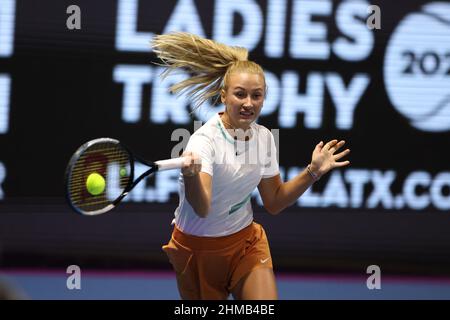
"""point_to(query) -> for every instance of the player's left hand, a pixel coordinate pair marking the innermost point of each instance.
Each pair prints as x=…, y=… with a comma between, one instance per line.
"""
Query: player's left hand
x=324, y=158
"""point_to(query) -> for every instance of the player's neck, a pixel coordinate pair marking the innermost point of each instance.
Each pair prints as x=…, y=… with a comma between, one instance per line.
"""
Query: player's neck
x=233, y=130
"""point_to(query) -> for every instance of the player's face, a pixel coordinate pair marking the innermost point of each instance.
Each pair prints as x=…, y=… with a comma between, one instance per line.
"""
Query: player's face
x=243, y=98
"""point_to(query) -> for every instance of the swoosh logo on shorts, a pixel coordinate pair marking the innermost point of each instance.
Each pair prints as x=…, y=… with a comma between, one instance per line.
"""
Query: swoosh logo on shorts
x=264, y=260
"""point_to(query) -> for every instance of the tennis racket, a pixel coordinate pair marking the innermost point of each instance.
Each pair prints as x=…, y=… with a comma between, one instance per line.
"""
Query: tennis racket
x=101, y=173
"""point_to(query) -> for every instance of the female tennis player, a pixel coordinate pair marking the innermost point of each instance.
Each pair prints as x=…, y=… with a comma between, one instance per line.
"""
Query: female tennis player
x=216, y=248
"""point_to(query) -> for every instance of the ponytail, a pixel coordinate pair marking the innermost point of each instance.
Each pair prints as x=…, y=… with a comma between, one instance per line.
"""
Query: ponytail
x=208, y=61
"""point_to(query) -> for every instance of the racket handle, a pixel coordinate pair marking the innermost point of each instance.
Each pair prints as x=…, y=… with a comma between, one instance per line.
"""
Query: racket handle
x=175, y=163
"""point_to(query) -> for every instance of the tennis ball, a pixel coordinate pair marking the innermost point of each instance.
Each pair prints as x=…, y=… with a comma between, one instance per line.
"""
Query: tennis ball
x=95, y=184
x=123, y=172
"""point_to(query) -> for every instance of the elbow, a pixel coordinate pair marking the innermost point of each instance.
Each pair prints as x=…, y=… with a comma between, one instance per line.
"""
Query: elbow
x=273, y=210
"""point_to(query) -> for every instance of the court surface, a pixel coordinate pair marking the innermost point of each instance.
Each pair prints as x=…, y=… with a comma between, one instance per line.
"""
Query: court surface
x=51, y=284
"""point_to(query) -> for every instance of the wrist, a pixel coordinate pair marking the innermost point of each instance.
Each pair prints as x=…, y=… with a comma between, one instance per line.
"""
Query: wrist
x=314, y=173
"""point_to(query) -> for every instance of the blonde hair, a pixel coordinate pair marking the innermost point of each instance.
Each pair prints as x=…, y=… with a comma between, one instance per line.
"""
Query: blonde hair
x=211, y=63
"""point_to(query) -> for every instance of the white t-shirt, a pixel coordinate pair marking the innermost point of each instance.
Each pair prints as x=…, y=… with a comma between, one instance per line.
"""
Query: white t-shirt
x=236, y=167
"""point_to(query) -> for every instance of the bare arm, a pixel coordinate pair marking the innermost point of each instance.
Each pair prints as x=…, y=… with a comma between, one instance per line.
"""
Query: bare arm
x=197, y=185
x=277, y=195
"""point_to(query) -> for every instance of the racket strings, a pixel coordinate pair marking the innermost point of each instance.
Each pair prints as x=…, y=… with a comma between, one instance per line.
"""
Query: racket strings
x=80, y=171
x=80, y=196
x=109, y=155
x=79, y=178
x=110, y=161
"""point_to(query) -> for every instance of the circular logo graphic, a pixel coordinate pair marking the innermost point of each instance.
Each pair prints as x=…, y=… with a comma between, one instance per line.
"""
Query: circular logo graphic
x=417, y=68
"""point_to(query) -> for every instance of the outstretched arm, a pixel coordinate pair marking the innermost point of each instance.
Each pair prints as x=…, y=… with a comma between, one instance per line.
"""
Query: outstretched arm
x=277, y=195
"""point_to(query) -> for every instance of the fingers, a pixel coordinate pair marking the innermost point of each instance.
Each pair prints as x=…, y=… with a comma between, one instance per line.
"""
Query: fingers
x=191, y=158
x=196, y=159
x=319, y=146
x=192, y=163
x=341, y=164
x=187, y=159
x=341, y=154
x=337, y=146
x=329, y=144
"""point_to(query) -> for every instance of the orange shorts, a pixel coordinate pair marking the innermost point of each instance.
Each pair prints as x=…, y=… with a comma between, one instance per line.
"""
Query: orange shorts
x=210, y=267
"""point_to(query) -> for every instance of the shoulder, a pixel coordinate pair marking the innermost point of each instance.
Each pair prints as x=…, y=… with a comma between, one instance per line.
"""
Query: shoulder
x=208, y=130
x=207, y=133
x=262, y=130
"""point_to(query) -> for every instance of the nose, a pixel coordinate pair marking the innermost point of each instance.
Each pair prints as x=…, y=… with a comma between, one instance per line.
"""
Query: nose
x=248, y=102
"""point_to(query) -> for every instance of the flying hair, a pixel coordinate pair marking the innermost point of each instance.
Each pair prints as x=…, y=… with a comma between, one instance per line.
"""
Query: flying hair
x=210, y=63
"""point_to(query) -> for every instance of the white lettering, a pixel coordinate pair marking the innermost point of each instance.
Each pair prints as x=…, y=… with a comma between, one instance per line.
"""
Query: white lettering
x=436, y=191
x=309, y=103
x=414, y=201
x=165, y=105
x=308, y=38
x=5, y=90
x=7, y=17
x=252, y=24
x=359, y=40
x=357, y=179
x=185, y=18
x=335, y=193
x=127, y=37
x=346, y=100
x=275, y=28
x=381, y=193
x=133, y=78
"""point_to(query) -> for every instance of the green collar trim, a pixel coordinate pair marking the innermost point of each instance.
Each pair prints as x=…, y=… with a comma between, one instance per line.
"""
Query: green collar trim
x=219, y=125
x=239, y=205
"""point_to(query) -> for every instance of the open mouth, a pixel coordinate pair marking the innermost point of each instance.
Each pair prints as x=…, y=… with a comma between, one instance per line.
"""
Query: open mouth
x=246, y=113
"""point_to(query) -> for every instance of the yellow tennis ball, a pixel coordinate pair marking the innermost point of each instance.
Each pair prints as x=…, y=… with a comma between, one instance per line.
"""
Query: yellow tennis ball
x=95, y=184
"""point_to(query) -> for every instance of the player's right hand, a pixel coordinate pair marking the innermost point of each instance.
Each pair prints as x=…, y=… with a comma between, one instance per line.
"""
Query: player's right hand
x=192, y=164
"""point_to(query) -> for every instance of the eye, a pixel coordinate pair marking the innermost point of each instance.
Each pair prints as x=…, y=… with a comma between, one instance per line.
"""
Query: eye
x=257, y=96
x=240, y=94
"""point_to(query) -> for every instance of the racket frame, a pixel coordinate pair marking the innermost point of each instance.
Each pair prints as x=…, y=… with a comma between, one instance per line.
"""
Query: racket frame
x=130, y=185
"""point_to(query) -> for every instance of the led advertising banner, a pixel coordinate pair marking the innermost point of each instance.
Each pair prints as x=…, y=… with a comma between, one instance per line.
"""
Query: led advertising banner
x=374, y=74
